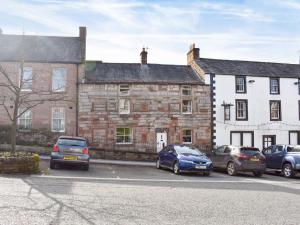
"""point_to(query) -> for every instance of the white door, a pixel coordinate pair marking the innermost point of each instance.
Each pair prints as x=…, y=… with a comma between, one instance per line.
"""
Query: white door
x=236, y=139
x=293, y=138
x=161, y=141
x=247, y=139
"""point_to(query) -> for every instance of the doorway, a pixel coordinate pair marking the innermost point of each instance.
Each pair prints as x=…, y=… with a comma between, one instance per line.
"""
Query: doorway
x=161, y=140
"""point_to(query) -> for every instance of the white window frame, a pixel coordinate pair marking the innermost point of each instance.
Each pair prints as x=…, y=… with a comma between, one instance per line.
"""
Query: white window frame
x=277, y=110
x=26, y=116
x=124, y=89
x=186, y=88
x=61, y=88
x=130, y=136
x=187, y=107
x=184, y=135
x=243, y=110
x=238, y=83
x=63, y=118
x=21, y=80
x=122, y=104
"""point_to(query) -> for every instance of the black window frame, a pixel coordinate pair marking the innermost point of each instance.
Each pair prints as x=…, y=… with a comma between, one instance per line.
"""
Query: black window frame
x=242, y=137
x=270, y=105
x=268, y=136
x=278, y=80
x=245, y=85
x=236, y=109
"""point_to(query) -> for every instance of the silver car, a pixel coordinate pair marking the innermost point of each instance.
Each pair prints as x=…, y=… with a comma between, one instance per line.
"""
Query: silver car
x=70, y=150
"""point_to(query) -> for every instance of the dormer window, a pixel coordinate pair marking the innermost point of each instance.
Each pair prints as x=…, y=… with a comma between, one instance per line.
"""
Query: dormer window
x=240, y=84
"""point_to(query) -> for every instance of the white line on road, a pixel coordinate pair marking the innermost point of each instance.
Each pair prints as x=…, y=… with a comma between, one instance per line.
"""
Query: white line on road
x=158, y=180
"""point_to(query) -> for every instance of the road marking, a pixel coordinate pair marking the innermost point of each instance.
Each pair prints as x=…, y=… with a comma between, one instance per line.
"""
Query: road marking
x=156, y=180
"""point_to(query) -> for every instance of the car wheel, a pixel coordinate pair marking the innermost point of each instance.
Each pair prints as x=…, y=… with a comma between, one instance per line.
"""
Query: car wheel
x=53, y=165
x=86, y=167
x=257, y=174
x=176, y=169
x=158, y=164
x=231, y=169
x=287, y=170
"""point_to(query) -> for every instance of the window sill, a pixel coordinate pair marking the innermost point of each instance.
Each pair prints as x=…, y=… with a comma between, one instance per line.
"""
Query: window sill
x=121, y=143
x=26, y=90
x=187, y=113
x=187, y=143
x=58, y=131
x=237, y=119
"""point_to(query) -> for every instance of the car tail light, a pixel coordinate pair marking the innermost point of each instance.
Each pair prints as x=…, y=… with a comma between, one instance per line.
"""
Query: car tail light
x=242, y=156
x=55, y=148
x=85, y=151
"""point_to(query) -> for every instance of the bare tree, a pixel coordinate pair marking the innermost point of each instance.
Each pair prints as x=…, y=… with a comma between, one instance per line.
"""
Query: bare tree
x=16, y=101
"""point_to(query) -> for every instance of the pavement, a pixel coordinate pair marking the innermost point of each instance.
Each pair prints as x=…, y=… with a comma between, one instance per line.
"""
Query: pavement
x=134, y=194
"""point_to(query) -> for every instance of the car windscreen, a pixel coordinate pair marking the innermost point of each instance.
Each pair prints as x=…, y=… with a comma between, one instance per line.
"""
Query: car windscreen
x=293, y=148
x=187, y=150
x=72, y=142
x=249, y=150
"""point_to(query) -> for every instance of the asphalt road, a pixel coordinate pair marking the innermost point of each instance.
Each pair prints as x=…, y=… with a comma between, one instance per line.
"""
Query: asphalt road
x=111, y=194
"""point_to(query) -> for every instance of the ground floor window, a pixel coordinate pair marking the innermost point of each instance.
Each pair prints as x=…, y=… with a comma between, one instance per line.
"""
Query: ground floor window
x=58, y=119
x=187, y=136
x=294, y=137
x=124, y=136
x=268, y=140
x=25, y=120
x=242, y=138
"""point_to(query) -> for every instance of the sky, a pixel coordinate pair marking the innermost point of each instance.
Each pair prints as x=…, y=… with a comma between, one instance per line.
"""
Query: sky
x=117, y=30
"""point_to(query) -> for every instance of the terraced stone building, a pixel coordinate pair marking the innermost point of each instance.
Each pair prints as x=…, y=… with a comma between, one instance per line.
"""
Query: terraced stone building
x=142, y=107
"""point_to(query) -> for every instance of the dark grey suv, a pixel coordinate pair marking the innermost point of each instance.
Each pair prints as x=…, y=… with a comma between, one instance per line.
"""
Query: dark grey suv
x=239, y=159
x=70, y=150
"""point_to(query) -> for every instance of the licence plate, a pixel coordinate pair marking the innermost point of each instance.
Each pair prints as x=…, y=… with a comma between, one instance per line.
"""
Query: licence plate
x=201, y=167
x=70, y=157
x=254, y=159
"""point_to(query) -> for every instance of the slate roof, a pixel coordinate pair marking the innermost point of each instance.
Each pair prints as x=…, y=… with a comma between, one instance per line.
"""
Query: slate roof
x=249, y=68
x=98, y=72
x=40, y=48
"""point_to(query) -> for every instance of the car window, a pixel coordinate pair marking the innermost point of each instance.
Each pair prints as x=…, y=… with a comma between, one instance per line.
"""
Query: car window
x=72, y=142
x=227, y=150
x=248, y=150
x=268, y=150
x=293, y=148
x=220, y=150
x=187, y=150
x=278, y=149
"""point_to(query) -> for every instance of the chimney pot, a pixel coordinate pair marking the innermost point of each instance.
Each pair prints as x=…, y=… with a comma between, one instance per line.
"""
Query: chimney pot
x=144, y=56
x=193, y=54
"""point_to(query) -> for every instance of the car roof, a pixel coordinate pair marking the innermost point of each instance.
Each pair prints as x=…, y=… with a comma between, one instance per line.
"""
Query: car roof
x=72, y=137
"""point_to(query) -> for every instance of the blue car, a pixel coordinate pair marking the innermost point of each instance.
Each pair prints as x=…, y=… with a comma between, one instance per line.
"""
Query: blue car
x=283, y=158
x=181, y=158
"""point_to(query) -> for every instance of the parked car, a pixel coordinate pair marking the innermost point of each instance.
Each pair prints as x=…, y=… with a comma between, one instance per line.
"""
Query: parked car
x=70, y=150
x=181, y=158
x=284, y=158
x=239, y=159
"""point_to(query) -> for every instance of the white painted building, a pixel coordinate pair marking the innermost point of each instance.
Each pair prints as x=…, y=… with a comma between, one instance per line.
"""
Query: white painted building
x=253, y=103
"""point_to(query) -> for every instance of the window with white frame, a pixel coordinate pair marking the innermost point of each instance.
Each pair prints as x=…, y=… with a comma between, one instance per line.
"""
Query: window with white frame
x=124, y=106
x=124, y=136
x=187, y=136
x=187, y=106
x=25, y=120
x=274, y=85
x=240, y=84
x=26, y=79
x=58, y=119
x=59, y=76
x=275, y=110
x=241, y=109
x=186, y=90
x=124, y=89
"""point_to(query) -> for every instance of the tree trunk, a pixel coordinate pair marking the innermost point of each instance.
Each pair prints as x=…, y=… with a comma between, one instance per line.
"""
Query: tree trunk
x=13, y=136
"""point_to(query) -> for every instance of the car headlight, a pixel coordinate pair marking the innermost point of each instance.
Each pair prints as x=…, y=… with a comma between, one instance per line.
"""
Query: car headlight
x=186, y=161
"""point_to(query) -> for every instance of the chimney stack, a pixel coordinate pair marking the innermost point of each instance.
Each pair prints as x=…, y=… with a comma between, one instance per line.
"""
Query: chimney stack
x=82, y=37
x=193, y=54
x=144, y=56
